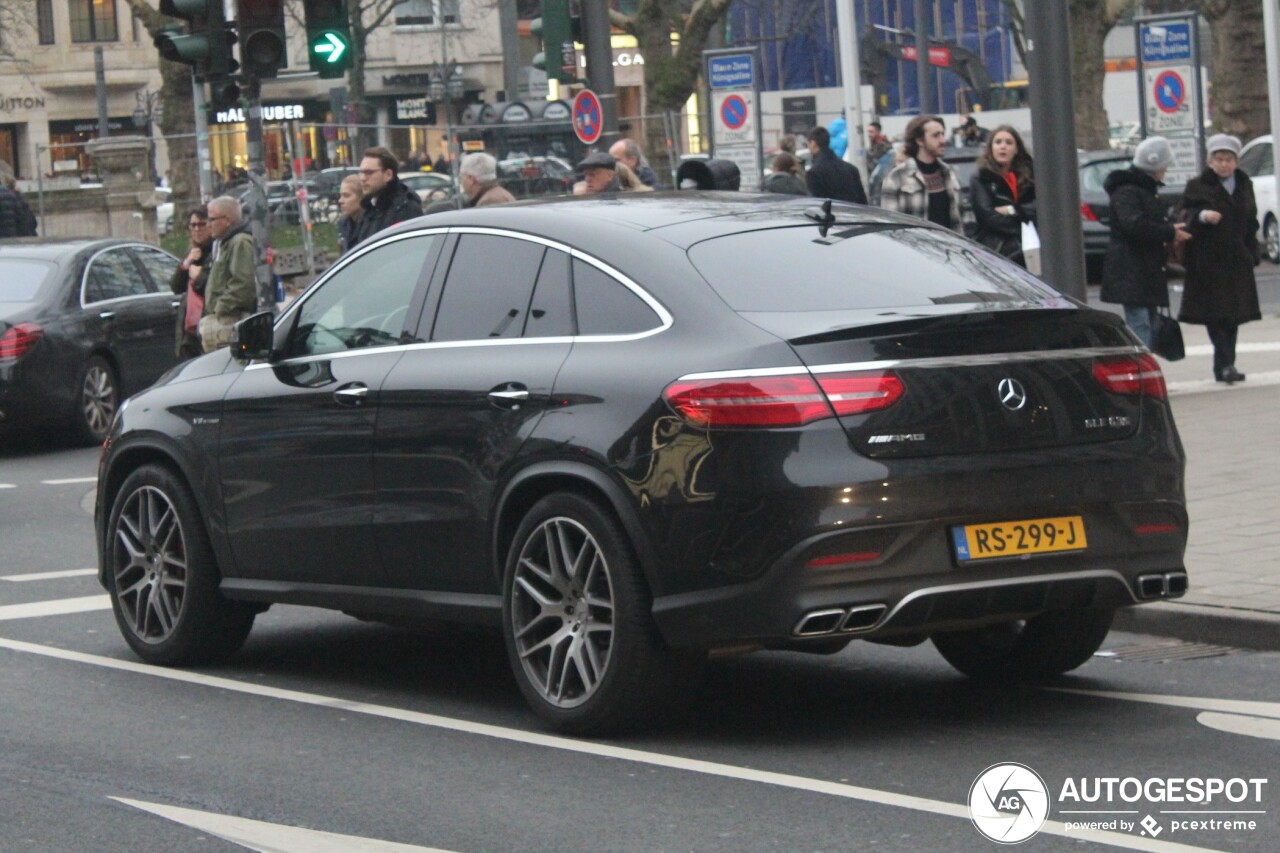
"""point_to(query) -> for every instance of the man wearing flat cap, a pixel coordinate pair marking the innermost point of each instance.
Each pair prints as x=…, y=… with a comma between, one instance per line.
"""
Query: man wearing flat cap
x=599, y=175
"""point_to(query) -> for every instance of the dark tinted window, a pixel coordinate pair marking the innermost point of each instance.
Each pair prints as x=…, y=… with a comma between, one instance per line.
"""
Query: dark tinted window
x=860, y=267
x=20, y=280
x=488, y=288
x=551, y=311
x=159, y=265
x=365, y=303
x=606, y=306
x=113, y=275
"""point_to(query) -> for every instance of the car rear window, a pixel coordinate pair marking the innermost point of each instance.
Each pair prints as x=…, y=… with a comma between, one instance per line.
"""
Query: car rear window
x=20, y=280
x=861, y=266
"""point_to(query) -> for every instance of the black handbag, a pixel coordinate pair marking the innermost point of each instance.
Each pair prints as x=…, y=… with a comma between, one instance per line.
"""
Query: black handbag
x=1166, y=336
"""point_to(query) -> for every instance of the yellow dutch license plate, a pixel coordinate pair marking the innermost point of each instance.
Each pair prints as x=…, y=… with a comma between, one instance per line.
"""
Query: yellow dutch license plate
x=1019, y=538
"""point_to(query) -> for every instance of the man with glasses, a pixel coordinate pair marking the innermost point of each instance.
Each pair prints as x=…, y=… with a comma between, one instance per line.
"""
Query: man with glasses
x=386, y=200
x=189, y=280
x=232, y=291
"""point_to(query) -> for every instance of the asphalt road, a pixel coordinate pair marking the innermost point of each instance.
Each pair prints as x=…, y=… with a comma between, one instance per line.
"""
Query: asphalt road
x=326, y=733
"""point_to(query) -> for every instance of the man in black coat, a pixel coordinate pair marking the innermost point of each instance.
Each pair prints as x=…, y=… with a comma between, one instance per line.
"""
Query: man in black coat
x=1134, y=274
x=829, y=176
x=386, y=200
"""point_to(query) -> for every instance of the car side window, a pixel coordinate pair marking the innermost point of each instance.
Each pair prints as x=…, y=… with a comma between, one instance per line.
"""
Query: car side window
x=488, y=289
x=1257, y=161
x=364, y=304
x=551, y=309
x=113, y=275
x=1094, y=176
x=605, y=306
x=159, y=265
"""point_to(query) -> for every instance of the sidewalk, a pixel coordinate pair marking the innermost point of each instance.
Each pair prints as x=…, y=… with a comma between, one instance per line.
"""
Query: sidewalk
x=1233, y=495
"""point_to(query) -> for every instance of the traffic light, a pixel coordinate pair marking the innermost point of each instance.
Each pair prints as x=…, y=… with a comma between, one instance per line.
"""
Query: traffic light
x=207, y=45
x=328, y=36
x=557, y=29
x=261, y=28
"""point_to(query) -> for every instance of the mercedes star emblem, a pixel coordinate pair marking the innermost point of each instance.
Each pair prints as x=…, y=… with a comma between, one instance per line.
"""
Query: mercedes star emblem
x=1012, y=395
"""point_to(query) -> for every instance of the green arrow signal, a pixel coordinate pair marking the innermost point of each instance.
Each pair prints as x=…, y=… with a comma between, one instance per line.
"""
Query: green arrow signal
x=335, y=47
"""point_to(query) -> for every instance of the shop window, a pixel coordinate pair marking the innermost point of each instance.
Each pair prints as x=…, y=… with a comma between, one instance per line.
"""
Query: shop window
x=427, y=13
x=44, y=20
x=93, y=20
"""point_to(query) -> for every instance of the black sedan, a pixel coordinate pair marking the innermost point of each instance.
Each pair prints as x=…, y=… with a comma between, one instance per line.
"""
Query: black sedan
x=1095, y=204
x=635, y=433
x=83, y=324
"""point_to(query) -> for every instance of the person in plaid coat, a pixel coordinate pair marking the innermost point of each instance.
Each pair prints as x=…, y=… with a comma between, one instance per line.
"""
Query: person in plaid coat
x=923, y=185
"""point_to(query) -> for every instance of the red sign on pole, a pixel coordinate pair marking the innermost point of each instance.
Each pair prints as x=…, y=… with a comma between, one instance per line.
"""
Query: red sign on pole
x=940, y=56
x=588, y=121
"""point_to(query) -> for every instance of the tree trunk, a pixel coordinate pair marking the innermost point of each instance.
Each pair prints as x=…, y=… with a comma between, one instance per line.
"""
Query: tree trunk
x=179, y=118
x=1239, y=68
x=1090, y=24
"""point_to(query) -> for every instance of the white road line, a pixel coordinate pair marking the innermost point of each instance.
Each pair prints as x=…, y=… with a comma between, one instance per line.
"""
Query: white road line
x=8, y=486
x=1240, y=724
x=273, y=837
x=48, y=576
x=1199, y=703
x=59, y=607
x=655, y=759
x=1260, y=346
x=1196, y=386
x=70, y=481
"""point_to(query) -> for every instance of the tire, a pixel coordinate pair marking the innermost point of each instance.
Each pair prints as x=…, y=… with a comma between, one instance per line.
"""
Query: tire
x=97, y=398
x=163, y=578
x=1042, y=647
x=1271, y=239
x=580, y=635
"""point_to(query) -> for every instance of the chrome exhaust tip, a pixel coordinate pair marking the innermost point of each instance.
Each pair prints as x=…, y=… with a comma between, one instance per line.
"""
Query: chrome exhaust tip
x=862, y=618
x=1150, y=586
x=818, y=622
x=1176, y=583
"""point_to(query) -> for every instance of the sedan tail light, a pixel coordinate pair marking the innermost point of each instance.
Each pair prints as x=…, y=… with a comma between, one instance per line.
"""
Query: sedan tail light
x=781, y=401
x=1138, y=375
x=1087, y=213
x=18, y=340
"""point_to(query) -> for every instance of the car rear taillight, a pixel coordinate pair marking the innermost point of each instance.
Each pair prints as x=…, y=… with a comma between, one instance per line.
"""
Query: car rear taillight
x=18, y=340
x=781, y=401
x=1087, y=212
x=1133, y=375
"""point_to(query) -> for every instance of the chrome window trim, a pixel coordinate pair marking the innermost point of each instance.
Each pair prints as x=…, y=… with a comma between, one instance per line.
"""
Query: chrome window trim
x=666, y=319
x=934, y=363
x=84, y=276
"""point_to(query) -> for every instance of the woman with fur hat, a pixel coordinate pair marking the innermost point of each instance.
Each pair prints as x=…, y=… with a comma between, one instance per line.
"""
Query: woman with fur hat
x=1220, y=292
x=1134, y=274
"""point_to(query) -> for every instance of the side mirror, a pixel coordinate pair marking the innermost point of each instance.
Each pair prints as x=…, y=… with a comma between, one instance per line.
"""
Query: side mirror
x=254, y=337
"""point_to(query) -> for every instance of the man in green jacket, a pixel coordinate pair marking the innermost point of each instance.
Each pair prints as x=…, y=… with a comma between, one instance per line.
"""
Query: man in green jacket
x=232, y=291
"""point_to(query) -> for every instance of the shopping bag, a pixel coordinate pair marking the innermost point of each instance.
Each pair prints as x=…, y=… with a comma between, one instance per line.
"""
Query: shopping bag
x=1031, y=247
x=1166, y=336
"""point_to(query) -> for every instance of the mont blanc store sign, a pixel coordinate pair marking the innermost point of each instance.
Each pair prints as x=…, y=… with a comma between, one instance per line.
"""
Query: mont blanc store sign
x=412, y=109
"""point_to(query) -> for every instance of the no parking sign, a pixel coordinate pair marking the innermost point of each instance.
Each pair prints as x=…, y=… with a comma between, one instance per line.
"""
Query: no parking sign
x=1171, y=99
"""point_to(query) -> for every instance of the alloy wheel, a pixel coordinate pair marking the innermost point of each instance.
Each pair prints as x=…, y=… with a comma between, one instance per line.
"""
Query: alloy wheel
x=149, y=565
x=98, y=398
x=562, y=614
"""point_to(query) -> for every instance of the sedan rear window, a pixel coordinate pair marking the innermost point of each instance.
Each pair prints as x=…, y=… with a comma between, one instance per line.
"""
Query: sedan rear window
x=861, y=266
x=20, y=280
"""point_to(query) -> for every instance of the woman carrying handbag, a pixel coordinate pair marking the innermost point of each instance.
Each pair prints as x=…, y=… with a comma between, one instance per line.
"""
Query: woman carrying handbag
x=1220, y=292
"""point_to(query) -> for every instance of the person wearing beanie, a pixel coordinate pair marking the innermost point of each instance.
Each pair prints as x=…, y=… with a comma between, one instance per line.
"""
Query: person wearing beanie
x=1220, y=292
x=1134, y=274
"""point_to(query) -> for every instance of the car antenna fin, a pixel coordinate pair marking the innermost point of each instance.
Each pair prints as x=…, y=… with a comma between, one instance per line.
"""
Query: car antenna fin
x=824, y=217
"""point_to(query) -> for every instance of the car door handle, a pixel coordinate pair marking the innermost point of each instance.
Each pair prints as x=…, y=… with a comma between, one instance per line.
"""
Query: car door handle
x=351, y=395
x=176, y=302
x=107, y=315
x=509, y=395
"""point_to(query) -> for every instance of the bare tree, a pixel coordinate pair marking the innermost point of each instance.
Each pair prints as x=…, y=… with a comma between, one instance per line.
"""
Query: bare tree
x=179, y=118
x=1091, y=20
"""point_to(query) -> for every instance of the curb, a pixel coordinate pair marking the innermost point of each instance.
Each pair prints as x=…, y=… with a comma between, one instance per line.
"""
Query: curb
x=1220, y=626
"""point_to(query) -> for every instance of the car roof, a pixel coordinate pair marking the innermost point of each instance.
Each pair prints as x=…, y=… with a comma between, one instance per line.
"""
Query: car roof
x=679, y=217
x=1087, y=157
x=56, y=248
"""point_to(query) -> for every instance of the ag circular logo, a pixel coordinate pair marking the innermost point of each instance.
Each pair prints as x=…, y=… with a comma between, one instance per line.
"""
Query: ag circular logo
x=1008, y=803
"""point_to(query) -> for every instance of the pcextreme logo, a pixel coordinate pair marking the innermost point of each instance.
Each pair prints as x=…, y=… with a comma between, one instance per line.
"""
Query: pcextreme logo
x=1008, y=803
